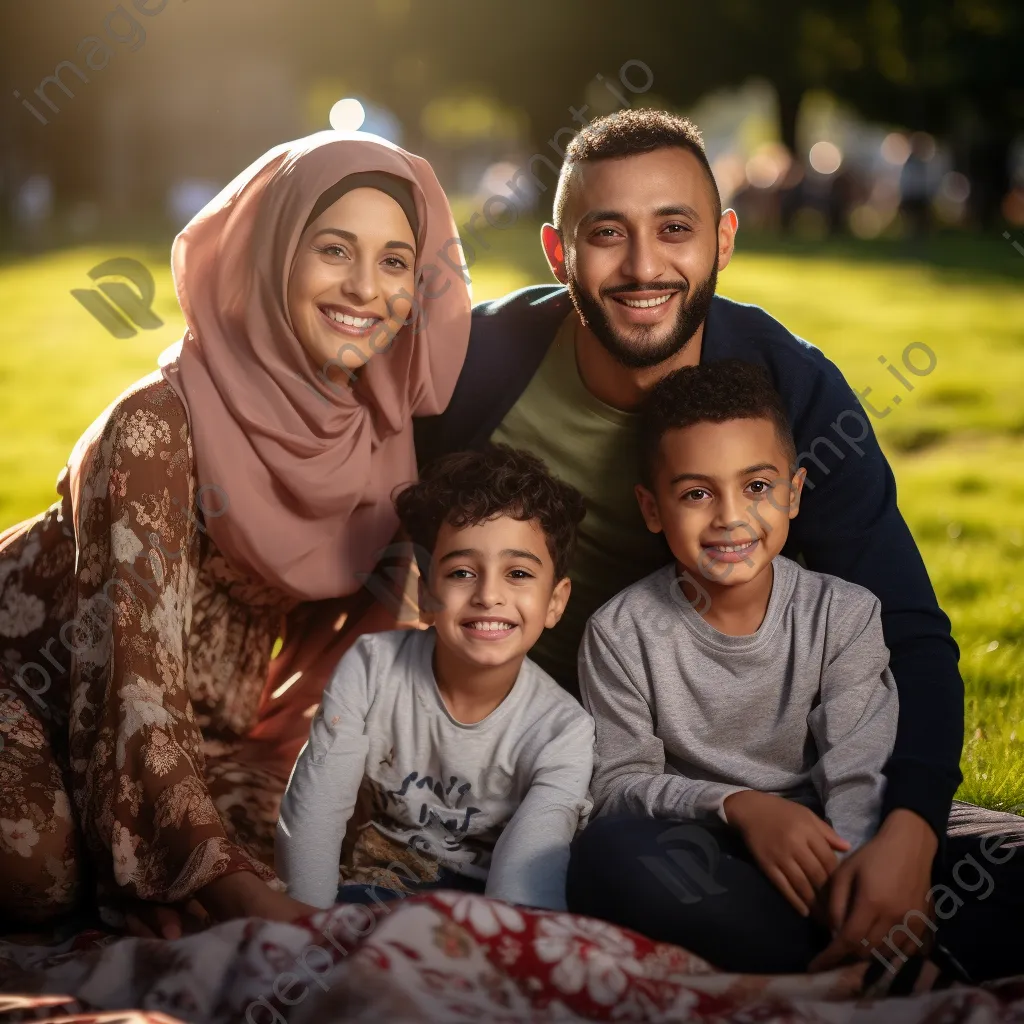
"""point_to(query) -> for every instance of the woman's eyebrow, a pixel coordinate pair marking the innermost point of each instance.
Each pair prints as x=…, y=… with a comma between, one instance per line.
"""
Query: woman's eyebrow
x=347, y=235
x=350, y=236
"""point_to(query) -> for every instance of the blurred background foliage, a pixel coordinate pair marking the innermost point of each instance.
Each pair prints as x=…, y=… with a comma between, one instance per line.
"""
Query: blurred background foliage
x=874, y=150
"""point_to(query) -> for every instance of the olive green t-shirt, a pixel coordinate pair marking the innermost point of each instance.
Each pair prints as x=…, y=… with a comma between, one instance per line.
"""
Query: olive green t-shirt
x=593, y=447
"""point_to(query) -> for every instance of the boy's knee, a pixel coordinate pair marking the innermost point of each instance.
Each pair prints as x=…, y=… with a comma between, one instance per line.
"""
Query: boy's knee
x=603, y=850
x=617, y=836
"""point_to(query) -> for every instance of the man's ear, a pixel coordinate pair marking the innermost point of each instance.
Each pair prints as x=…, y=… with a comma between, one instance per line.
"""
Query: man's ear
x=559, y=599
x=796, y=490
x=648, y=508
x=551, y=240
x=728, y=225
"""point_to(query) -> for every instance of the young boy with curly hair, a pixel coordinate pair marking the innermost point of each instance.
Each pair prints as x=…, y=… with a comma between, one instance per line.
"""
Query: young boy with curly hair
x=444, y=757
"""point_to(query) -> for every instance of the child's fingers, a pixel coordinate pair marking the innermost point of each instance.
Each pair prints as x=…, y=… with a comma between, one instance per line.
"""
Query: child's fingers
x=811, y=866
x=826, y=856
x=800, y=881
x=784, y=886
x=833, y=838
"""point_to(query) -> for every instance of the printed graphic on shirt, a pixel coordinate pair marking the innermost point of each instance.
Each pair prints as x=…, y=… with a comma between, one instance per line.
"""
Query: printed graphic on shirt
x=418, y=822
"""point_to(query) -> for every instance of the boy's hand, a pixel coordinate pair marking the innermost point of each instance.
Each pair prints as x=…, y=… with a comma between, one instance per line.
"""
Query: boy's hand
x=790, y=843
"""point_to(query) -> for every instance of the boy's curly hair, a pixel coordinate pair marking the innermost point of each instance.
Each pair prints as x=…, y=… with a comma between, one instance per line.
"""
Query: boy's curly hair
x=729, y=389
x=466, y=488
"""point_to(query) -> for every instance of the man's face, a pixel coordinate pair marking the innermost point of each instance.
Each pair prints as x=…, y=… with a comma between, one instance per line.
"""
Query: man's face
x=641, y=251
x=723, y=496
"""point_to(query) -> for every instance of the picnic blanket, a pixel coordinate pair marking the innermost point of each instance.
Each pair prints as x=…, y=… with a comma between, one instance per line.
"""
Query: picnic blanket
x=445, y=957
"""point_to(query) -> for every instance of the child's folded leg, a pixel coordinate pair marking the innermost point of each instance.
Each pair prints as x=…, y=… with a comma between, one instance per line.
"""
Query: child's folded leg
x=694, y=885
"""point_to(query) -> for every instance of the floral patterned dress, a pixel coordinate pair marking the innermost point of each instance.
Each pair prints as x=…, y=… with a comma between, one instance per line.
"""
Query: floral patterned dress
x=132, y=663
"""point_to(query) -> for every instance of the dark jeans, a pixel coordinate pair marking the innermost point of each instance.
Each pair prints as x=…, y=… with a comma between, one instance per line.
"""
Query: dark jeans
x=697, y=886
x=359, y=892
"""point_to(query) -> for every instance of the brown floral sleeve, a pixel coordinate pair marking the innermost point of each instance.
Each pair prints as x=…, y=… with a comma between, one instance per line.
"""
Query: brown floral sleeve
x=136, y=754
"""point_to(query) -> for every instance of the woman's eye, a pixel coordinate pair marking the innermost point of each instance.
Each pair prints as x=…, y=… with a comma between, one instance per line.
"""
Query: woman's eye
x=395, y=263
x=332, y=250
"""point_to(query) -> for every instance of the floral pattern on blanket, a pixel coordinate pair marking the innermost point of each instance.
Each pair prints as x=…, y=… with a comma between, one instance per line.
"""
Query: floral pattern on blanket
x=443, y=957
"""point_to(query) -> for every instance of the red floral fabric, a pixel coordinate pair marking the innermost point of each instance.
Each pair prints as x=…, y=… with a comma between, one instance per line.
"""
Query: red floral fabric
x=445, y=957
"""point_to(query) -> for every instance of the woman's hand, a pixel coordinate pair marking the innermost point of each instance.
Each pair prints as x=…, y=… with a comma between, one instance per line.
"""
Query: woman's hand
x=790, y=843
x=242, y=894
x=165, y=921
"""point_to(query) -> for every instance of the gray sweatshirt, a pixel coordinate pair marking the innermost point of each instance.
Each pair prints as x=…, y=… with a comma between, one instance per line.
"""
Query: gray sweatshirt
x=498, y=800
x=804, y=708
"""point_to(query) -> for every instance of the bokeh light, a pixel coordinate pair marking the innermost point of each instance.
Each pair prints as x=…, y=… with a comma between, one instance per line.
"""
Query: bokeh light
x=825, y=157
x=767, y=166
x=895, y=149
x=347, y=115
x=955, y=187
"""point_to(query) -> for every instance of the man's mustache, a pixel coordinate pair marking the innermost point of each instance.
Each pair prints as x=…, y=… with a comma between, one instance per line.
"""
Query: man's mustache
x=659, y=286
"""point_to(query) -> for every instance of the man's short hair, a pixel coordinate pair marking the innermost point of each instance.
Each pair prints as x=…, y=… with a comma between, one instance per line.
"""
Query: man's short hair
x=710, y=393
x=630, y=133
x=466, y=488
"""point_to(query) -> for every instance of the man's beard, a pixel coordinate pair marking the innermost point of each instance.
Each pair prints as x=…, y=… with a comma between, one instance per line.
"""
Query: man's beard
x=636, y=350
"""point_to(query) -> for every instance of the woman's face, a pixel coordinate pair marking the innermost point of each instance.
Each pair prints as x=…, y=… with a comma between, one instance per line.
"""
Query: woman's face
x=352, y=281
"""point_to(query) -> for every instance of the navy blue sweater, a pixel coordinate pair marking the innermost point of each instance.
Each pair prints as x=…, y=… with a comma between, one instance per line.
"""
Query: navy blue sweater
x=849, y=525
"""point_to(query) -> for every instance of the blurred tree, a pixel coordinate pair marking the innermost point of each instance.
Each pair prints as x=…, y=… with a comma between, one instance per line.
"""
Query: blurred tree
x=945, y=66
x=949, y=67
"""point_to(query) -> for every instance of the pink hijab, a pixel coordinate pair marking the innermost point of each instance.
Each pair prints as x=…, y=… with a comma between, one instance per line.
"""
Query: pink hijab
x=295, y=472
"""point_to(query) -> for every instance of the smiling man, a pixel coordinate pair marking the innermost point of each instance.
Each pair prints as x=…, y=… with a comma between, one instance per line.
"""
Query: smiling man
x=637, y=241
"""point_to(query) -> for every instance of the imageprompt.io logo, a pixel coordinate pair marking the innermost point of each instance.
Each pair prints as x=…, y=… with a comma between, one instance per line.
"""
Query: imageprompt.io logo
x=122, y=309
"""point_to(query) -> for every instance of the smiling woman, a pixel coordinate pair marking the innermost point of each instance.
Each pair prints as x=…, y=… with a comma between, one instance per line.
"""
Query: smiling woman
x=159, y=624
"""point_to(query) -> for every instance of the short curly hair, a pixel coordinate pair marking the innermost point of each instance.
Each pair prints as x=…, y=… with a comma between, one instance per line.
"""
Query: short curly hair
x=466, y=488
x=630, y=133
x=729, y=389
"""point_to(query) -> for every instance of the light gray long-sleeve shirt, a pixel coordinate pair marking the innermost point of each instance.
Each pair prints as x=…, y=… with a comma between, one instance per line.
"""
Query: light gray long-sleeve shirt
x=804, y=708
x=498, y=800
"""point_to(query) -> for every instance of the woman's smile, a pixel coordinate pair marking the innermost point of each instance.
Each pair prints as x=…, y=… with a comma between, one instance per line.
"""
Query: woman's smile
x=346, y=320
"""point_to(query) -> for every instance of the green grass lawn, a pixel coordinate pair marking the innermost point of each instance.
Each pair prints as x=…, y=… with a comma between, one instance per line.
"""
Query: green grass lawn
x=956, y=442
